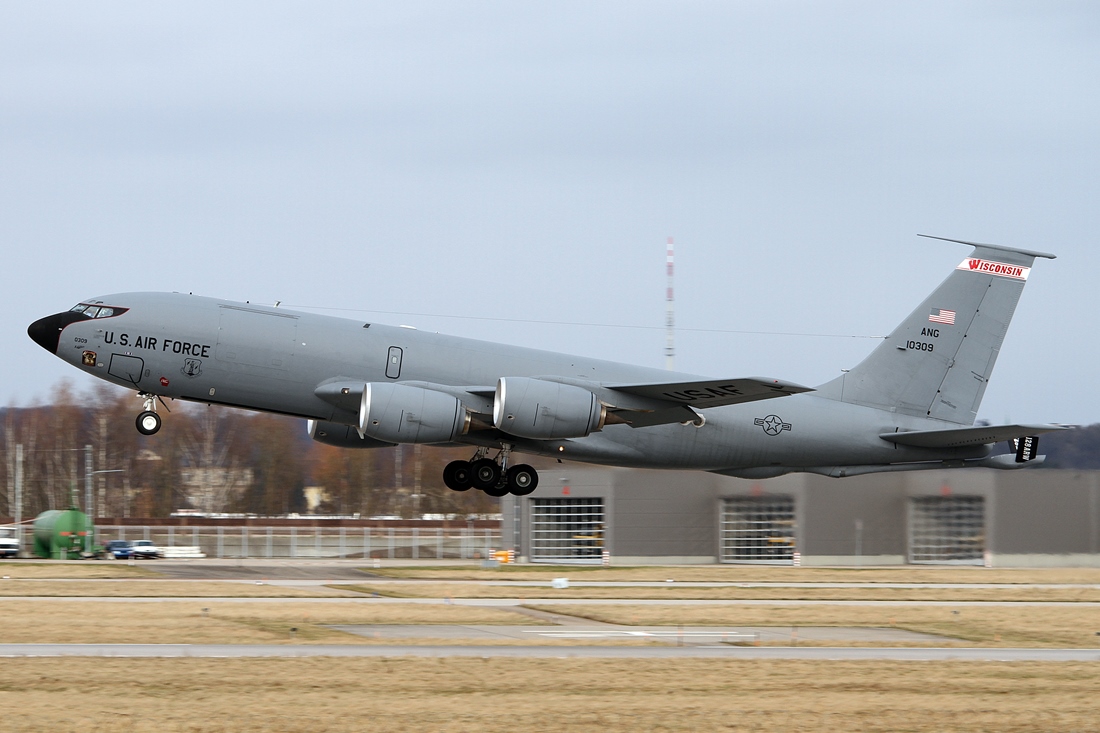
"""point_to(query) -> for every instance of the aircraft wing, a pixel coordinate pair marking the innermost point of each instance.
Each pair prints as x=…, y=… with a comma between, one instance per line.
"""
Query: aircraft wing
x=960, y=437
x=647, y=404
x=713, y=392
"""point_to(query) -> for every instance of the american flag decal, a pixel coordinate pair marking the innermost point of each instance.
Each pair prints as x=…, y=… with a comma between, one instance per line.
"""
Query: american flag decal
x=940, y=315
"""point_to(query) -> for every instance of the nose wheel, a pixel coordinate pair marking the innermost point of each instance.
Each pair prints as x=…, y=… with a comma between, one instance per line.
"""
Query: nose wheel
x=493, y=476
x=148, y=421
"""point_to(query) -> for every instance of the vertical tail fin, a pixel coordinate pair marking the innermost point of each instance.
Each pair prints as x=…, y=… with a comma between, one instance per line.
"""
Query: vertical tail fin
x=938, y=361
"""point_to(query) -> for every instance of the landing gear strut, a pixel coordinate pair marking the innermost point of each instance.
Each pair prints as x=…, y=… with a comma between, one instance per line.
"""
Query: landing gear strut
x=491, y=475
x=148, y=421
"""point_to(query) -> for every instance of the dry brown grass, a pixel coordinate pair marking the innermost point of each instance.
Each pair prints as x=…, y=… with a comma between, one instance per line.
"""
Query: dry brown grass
x=749, y=574
x=730, y=593
x=973, y=625
x=73, y=569
x=226, y=622
x=155, y=589
x=510, y=695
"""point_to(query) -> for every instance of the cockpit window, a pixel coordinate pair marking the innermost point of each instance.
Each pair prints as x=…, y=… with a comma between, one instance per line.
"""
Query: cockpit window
x=97, y=311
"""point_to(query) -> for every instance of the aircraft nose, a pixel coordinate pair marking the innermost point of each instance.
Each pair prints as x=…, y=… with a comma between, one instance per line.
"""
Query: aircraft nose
x=46, y=332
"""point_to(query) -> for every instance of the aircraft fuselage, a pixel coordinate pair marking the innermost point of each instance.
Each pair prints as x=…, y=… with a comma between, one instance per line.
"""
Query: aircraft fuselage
x=271, y=359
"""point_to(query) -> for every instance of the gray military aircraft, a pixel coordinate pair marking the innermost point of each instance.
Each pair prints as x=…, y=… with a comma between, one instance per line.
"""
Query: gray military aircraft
x=911, y=404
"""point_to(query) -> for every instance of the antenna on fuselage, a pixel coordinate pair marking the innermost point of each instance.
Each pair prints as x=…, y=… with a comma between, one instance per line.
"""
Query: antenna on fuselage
x=670, y=311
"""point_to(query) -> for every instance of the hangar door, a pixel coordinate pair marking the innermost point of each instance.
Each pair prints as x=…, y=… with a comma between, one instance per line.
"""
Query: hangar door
x=567, y=530
x=757, y=529
x=947, y=530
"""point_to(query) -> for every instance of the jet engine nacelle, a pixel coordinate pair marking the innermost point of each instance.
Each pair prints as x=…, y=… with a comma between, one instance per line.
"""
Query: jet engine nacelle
x=341, y=436
x=397, y=413
x=542, y=410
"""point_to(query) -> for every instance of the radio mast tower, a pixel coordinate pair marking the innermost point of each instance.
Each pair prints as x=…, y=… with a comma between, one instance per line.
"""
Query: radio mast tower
x=670, y=313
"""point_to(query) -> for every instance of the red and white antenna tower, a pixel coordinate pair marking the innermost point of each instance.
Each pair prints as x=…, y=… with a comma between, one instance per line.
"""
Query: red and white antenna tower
x=670, y=313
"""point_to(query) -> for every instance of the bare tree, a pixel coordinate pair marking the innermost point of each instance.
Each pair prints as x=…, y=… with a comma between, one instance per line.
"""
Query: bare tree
x=210, y=453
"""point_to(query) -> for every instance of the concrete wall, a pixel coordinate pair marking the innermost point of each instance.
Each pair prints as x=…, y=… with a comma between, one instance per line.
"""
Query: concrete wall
x=667, y=513
x=1058, y=514
x=879, y=507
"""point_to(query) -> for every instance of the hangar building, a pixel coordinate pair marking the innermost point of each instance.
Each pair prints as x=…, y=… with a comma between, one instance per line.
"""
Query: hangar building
x=1036, y=517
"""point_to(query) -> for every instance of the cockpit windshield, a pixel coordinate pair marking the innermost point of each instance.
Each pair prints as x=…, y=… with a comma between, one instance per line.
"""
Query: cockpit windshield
x=96, y=310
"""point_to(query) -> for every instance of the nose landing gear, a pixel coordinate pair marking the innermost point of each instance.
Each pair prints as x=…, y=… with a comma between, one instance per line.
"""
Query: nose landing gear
x=148, y=421
x=493, y=476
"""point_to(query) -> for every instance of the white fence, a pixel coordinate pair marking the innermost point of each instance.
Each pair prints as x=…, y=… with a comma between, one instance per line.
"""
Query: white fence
x=317, y=542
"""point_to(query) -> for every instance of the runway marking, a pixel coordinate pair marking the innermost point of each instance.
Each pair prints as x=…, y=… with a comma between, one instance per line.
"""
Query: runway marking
x=608, y=633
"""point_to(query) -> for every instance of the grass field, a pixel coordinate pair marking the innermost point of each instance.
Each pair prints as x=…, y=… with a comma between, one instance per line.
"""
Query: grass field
x=731, y=593
x=1021, y=626
x=75, y=569
x=509, y=695
x=491, y=695
x=747, y=574
x=141, y=588
x=228, y=622
x=224, y=622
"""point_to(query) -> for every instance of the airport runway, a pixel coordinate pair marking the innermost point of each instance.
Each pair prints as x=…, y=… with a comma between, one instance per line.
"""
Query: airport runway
x=379, y=581
x=135, y=651
x=320, y=572
x=574, y=637
x=585, y=629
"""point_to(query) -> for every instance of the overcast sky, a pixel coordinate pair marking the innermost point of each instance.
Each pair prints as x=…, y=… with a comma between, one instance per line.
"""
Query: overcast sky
x=527, y=161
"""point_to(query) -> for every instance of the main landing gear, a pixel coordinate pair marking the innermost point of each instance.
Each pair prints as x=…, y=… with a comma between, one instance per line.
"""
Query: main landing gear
x=148, y=421
x=493, y=476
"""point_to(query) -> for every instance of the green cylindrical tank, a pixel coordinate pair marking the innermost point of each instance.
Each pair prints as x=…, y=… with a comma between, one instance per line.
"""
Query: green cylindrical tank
x=63, y=535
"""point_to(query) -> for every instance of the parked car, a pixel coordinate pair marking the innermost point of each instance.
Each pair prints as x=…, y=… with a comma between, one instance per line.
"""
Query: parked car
x=119, y=549
x=9, y=545
x=146, y=550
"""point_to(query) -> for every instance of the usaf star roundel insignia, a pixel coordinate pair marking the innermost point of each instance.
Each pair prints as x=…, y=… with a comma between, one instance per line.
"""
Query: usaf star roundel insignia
x=772, y=424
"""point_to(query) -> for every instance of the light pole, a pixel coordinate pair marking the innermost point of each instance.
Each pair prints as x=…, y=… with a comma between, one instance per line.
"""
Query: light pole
x=19, y=499
x=88, y=473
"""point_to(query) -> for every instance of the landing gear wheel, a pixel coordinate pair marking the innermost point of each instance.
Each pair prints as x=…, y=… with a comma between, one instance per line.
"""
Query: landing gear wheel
x=148, y=422
x=522, y=480
x=497, y=491
x=485, y=474
x=457, y=475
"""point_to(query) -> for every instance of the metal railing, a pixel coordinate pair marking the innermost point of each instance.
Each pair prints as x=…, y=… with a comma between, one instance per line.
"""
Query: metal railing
x=317, y=542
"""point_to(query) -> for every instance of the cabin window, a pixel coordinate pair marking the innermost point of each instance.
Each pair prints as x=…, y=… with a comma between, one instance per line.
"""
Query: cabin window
x=97, y=311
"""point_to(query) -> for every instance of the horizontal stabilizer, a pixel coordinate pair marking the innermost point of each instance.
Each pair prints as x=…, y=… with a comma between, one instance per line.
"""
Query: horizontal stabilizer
x=961, y=437
x=1000, y=247
x=1001, y=463
x=713, y=392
